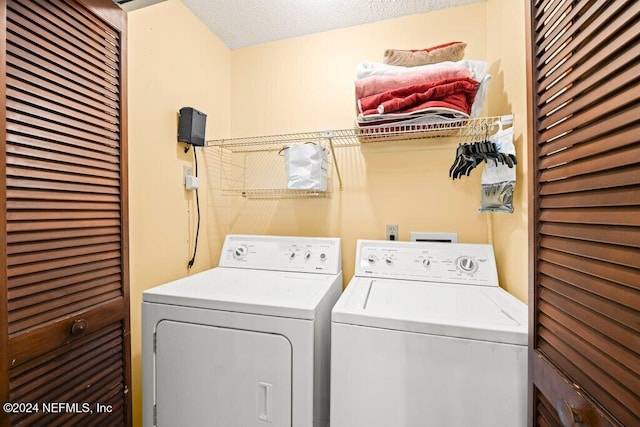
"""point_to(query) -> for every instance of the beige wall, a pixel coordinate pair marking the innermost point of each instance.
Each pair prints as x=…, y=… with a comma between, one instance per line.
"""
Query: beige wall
x=507, y=92
x=306, y=83
x=296, y=85
x=174, y=61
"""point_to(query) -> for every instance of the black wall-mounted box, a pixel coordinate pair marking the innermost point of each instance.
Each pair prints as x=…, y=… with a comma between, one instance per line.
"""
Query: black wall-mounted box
x=191, y=126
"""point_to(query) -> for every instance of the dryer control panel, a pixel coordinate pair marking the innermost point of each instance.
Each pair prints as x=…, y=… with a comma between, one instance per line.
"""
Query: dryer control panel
x=457, y=263
x=282, y=253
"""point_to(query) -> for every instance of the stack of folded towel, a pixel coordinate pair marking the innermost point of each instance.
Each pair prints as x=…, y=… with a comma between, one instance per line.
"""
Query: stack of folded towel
x=420, y=87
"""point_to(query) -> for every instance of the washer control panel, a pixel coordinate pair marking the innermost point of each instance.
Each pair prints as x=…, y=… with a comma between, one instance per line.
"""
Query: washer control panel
x=281, y=253
x=461, y=263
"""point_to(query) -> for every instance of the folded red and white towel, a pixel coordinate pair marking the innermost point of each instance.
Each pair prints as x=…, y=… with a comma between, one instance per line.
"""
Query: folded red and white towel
x=375, y=84
x=456, y=94
x=374, y=78
x=367, y=68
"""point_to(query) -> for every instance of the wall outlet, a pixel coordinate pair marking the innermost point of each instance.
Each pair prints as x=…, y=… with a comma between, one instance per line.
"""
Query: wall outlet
x=186, y=171
x=191, y=183
x=392, y=231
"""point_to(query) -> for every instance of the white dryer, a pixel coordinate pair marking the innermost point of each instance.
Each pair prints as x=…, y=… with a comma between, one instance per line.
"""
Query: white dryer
x=247, y=343
x=424, y=336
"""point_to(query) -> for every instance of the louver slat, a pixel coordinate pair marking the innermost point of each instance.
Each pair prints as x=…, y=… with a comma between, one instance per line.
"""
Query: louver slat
x=71, y=40
x=72, y=143
x=50, y=237
x=56, y=116
x=617, y=65
x=40, y=276
x=90, y=41
x=53, y=46
x=547, y=9
x=31, y=151
x=26, y=156
x=626, y=236
x=69, y=102
x=615, y=292
x=30, y=51
x=34, y=70
x=587, y=333
x=590, y=49
x=594, y=181
x=559, y=33
x=58, y=286
x=63, y=107
x=546, y=414
x=593, y=147
x=602, y=128
x=585, y=221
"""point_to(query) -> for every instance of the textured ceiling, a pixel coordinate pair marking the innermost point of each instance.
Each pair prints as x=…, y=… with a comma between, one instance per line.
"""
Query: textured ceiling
x=242, y=23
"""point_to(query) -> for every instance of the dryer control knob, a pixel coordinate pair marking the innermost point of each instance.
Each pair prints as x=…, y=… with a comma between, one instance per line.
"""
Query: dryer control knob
x=240, y=252
x=467, y=264
x=323, y=257
x=426, y=262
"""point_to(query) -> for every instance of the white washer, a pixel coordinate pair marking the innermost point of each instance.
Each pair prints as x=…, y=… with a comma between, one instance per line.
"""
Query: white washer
x=424, y=336
x=247, y=343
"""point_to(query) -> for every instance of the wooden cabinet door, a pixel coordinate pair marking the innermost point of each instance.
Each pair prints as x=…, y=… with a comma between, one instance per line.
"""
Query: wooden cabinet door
x=584, y=224
x=64, y=302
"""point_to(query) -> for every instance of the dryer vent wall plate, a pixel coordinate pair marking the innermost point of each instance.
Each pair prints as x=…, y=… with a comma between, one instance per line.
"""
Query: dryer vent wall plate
x=427, y=236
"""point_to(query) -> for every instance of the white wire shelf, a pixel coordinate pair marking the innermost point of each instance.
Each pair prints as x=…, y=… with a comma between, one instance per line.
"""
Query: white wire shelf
x=256, y=174
x=340, y=138
x=277, y=193
x=464, y=130
x=480, y=126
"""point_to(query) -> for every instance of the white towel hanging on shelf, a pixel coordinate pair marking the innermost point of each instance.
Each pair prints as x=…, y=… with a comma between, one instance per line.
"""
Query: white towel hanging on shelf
x=306, y=167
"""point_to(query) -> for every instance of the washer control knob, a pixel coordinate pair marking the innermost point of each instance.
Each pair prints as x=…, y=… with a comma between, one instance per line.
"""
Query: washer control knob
x=240, y=252
x=292, y=254
x=323, y=257
x=307, y=255
x=372, y=259
x=426, y=262
x=388, y=260
x=467, y=264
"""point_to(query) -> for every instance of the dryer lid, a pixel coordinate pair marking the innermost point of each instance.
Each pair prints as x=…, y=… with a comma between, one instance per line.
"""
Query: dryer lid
x=463, y=311
x=271, y=293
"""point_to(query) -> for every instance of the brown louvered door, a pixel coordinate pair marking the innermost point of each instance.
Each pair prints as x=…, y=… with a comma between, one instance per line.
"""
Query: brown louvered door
x=585, y=212
x=64, y=300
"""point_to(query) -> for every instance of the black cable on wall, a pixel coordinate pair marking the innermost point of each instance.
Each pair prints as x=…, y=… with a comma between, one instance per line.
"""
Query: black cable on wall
x=195, y=247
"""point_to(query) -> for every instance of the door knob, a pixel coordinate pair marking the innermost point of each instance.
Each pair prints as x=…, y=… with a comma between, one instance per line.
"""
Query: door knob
x=79, y=327
x=570, y=416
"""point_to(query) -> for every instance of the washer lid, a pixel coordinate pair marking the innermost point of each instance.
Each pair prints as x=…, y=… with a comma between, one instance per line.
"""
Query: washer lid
x=272, y=293
x=463, y=311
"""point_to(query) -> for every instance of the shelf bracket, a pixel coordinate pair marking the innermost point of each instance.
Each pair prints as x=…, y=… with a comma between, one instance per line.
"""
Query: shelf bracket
x=328, y=134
